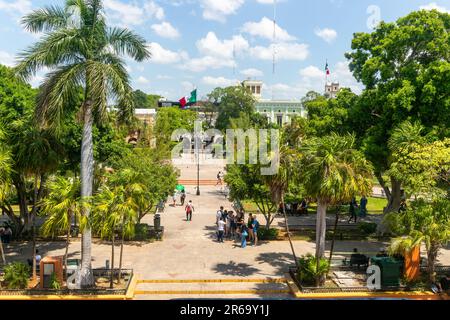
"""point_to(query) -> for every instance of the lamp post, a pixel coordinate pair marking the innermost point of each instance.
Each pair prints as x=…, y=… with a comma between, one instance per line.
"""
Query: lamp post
x=198, y=140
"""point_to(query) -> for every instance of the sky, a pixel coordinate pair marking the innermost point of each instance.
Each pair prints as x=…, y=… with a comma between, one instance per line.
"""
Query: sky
x=206, y=44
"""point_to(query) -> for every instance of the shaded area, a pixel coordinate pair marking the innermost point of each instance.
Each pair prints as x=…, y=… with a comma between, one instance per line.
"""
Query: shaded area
x=235, y=269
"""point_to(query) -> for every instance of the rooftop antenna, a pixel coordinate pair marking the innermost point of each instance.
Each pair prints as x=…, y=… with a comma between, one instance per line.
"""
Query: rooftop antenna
x=274, y=61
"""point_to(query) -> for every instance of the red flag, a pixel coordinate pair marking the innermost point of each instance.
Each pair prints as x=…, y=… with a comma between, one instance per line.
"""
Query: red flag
x=183, y=102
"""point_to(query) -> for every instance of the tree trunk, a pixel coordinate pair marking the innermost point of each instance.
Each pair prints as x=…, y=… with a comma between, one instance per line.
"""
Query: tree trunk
x=120, y=257
x=394, y=197
x=2, y=252
x=67, y=250
x=111, y=279
x=289, y=234
x=432, y=253
x=33, y=216
x=85, y=277
x=334, y=237
x=321, y=227
x=19, y=183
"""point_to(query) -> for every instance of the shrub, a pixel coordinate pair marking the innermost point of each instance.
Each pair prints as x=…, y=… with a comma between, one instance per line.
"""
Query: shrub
x=17, y=275
x=367, y=227
x=54, y=282
x=267, y=234
x=141, y=232
x=308, y=273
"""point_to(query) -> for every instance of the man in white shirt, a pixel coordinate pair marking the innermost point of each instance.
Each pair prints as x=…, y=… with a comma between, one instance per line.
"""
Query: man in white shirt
x=219, y=215
x=220, y=230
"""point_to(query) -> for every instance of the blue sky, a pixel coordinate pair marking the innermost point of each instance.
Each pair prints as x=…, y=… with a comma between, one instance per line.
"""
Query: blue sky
x=210, y=43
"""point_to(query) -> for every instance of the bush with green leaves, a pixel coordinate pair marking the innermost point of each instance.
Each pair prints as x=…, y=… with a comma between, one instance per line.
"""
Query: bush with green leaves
x=368, y=227
x=54, y=282
x=267, y=234
x=308, y=273
x=17, y=275
x=141, y=232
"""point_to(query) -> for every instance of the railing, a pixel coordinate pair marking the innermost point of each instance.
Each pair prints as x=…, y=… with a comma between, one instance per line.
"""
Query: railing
x=440, y=271
x=79, y=292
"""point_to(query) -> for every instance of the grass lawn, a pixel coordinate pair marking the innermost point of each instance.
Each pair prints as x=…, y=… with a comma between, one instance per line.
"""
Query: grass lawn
x=374, y=206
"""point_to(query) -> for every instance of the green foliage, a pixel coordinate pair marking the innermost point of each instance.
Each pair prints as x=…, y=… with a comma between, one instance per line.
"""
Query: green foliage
x=170, y=119
x=333, y=170
x=141, y=232
x=54, y=282
x=17, y=275
x=145, y=101
x=233, y=102
x=267, y=234
x=367, y=227
x=404, y=66
x=308, y=272
x=329, y=115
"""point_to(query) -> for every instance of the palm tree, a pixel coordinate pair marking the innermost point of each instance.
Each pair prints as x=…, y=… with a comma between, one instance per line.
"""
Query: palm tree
x=37, y=155
x=333, y=172
x=82, y=51
x=5, y=180
x=62, y=206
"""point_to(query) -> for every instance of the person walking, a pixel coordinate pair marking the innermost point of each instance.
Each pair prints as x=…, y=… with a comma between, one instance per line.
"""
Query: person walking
x=352, y=210
x=363, y=206
x=219, y=178
x=220, y=230
x=219, y=215
x=228, y=228
x=174, y=199
x=189, y=209
x=244, y=235
x=255, y=225
x=251, y=235
x=183, y=197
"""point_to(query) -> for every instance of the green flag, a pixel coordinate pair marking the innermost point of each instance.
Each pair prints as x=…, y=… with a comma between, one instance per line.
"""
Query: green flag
x=193, y=98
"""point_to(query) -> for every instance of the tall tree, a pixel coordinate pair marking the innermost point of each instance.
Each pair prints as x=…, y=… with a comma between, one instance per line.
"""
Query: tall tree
x=332, y=171
x=62, y=206
x=82, y=51
x=404, y=66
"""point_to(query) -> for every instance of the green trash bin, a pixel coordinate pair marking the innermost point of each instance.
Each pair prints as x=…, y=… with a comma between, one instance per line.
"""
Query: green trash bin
x=390, y=270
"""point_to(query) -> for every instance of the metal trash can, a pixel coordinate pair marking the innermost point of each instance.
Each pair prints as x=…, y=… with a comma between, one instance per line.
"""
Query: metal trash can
x=157, y=222
x=390, y=270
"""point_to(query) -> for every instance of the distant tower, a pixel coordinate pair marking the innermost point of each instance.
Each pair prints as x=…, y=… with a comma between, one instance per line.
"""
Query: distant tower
x=255, y=87
x=332, y=89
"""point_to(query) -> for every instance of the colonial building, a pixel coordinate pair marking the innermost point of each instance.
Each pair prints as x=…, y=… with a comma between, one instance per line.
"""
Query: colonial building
x=277, y=111
x=332, y=89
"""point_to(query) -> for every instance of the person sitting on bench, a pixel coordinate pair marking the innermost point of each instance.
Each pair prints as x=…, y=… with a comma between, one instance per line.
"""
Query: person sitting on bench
x=358, y=259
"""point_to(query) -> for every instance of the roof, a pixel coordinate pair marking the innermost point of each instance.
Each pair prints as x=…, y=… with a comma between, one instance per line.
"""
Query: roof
x=145, y=111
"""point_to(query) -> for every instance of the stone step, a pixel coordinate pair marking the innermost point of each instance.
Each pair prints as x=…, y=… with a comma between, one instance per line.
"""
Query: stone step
x=212, y=287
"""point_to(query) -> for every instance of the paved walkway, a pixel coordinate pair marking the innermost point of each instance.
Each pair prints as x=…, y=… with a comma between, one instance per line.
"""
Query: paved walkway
x=190, y=251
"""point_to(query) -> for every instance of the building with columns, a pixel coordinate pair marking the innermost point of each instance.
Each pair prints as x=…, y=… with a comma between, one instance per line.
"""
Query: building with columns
x=277, y=111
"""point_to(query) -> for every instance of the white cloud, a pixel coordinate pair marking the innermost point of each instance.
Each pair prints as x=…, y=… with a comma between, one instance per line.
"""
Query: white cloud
x=212, y=46
x=21, y=7
x=434, y=5
x=165, y=56
x=163, y=77
x=327, y=34
x=154, y=10
x=264, y=29
x=131, y=14
x=187, y=86
x=284, y=51
x=312, y=72
x=343, y=75
x=219, y=81
x=166, y=30
x=205, y=63
x=252, y=73
x=6, y=59
x=142, y=80
x=217, y=10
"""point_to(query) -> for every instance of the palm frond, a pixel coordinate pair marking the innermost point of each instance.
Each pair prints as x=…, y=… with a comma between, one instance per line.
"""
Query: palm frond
x=46, y=19
x=124, y=41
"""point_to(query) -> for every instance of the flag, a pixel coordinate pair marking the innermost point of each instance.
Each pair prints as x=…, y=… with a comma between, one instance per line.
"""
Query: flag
x=327, y=70
x=192, y=99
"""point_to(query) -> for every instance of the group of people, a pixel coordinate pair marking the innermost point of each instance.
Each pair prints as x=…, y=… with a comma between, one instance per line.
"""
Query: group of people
x=182, y=194
x=232, y=226
x=354, y=207
x=294, y=208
